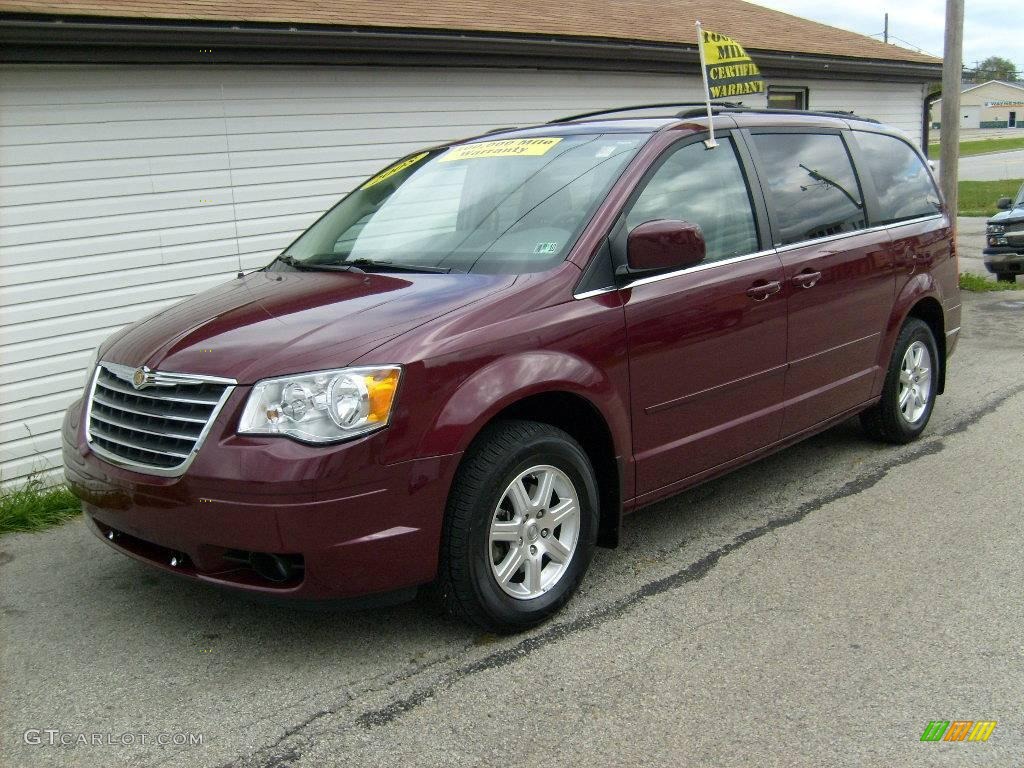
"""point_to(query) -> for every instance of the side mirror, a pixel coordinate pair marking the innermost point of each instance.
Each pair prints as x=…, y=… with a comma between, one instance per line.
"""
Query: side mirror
x=664, y=244
x=1004, y=203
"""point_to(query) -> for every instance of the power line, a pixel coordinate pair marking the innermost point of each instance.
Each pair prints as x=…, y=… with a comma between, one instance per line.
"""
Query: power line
x=906, y=44
x=1015, y=74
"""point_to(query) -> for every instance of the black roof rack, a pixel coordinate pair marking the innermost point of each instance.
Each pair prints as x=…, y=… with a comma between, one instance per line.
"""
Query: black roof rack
x=659, y=105
x=769, y=111
x=699, y=109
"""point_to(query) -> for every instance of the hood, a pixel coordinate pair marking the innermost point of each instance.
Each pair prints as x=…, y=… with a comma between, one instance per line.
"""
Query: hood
x=276, y=323
x=1011, y=216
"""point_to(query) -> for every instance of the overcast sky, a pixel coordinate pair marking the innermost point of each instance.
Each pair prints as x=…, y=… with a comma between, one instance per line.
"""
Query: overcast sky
x=991, y=27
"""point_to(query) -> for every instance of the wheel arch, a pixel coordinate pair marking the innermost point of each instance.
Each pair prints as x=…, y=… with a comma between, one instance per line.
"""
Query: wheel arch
x=583, y=420
x=929, y=310
x=568, y=391
x=572, y=411
x=918, y=299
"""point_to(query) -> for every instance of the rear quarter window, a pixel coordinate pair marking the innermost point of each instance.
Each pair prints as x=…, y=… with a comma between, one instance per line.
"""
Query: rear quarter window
x=903, y=184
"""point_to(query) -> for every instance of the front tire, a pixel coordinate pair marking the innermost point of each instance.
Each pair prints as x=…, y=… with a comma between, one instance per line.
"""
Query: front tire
x=520, y=527
x=1006, y=277
x=911, y=385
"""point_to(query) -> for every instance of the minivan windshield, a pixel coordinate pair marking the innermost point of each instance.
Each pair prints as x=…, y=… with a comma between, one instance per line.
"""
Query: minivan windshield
x=505, y=206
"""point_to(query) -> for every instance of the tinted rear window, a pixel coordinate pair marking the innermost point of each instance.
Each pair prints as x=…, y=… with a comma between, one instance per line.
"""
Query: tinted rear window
x=904, y=185
x=811, y=184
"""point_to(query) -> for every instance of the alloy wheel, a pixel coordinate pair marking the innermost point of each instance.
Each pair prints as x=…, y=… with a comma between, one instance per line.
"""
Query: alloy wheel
x=915, y=382
x=533, y=532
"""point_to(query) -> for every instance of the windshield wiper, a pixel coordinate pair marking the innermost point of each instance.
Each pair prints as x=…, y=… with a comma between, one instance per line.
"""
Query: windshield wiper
x=304, y=266
x=357, y=265
x=392, y=266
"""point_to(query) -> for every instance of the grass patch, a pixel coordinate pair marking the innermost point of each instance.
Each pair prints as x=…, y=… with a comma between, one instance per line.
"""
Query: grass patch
x=978, y=198
x=35, y=507
x=980, y=147
x=979, y=284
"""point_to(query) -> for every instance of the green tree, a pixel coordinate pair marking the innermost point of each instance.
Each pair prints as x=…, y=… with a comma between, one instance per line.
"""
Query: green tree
x=996, y=68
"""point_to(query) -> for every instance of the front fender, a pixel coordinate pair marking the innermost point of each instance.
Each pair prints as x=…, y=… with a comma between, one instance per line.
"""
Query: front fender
x=512, y=378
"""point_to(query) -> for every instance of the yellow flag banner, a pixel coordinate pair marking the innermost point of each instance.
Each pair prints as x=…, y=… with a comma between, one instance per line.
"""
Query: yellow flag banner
x=730, y=71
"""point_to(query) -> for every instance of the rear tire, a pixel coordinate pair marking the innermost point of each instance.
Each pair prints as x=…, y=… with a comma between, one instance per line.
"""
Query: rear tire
x=911, y=385
x=520, y=527
x=1006, y=277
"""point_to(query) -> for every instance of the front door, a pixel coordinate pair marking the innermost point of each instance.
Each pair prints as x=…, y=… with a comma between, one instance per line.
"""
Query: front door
x=838, y=279
x=707, y=345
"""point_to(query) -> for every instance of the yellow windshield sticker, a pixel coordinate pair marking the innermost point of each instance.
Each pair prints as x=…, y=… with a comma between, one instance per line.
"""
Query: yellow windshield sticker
x=396, y=168
x=504, y=148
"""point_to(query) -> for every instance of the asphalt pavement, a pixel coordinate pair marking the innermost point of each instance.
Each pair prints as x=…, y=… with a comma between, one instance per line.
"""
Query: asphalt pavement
x=970, y=240
x=991, y=167
x=818, y=608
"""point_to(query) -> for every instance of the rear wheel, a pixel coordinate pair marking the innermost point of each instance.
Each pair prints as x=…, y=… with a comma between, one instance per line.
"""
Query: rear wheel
x=911, y=384
x=520, y=527
x=1006, y=277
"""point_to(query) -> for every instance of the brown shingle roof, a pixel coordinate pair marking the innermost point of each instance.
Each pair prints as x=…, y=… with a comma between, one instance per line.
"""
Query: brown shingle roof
x=653, y=21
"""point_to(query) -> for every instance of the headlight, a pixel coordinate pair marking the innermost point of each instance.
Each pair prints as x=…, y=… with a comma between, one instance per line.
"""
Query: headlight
x=322, y=407
x=995, y=235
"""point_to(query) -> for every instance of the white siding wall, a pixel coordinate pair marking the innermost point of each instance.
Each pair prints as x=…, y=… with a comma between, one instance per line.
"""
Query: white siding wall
x=123, y=190
x=899, y=105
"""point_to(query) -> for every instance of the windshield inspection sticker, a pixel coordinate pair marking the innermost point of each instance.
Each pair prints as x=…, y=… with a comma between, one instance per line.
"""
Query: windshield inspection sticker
x=546, y=248
x=505, y=148
x=396, y=168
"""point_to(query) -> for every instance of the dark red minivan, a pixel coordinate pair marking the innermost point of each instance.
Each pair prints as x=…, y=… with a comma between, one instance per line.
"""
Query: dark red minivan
x=466, y=371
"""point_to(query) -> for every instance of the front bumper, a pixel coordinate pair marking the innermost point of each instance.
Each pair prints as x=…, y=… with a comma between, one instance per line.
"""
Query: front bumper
x=351, y=525
x=1004, y=259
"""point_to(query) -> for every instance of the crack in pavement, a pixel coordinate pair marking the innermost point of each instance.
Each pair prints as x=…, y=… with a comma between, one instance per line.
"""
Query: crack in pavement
x=281, y=758
x=694, y=572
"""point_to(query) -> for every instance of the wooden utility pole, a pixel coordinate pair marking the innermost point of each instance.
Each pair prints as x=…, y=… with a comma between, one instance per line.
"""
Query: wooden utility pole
x=952, y=68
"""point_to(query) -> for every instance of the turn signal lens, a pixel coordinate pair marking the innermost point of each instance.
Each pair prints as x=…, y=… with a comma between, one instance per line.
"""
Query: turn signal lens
x=381, y=387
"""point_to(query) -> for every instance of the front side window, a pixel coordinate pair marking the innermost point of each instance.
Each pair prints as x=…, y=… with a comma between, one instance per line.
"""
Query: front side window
x=502, y=206
x=905, y=188
x=704, y=187
x=811, y=184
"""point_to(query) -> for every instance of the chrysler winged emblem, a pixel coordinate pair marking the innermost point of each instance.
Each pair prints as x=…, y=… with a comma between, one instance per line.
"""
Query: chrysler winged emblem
x=142, y=377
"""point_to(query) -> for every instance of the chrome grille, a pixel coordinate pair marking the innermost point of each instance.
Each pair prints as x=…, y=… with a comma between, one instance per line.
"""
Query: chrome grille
x=157, y=428
x=1014, y=233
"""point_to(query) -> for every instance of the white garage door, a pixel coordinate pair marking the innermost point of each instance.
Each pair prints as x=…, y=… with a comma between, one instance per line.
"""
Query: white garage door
x=125, y=189
x=970, y=117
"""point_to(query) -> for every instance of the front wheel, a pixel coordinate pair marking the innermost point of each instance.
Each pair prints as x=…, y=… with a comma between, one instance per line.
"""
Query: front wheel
x=520, y=527
x=911, y=384
x=1006, y=277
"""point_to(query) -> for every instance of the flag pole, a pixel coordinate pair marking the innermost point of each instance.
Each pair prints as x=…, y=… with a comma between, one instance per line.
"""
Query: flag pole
x=710, y=143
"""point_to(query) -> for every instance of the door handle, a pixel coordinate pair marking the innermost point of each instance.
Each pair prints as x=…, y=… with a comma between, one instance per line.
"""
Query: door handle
x=807, y=279
x=764, y=290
